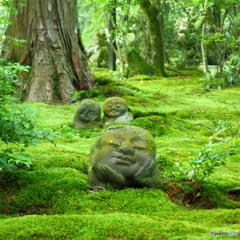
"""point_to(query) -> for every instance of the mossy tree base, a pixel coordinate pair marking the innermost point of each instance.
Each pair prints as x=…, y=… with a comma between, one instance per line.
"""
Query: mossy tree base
x=51, y=47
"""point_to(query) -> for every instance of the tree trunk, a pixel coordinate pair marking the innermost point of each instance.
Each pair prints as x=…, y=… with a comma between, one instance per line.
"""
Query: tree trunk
x=112, y=41
x=52, y=48
x=156, y=30
x=203, y=42
x=204, y=50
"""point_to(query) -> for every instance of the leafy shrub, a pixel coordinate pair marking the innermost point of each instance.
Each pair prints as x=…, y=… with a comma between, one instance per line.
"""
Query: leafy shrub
x=17, y=126
x=231, y=74
x=12, y=158
x=211, y=80
x=9, y=79
x=231, y=70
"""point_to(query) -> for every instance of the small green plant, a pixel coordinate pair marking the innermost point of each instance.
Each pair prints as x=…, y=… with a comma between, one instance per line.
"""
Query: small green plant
x=212, y=155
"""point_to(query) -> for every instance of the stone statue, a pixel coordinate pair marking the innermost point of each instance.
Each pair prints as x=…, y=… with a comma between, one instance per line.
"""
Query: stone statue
x=88, y=115
x=116, y=111
x=124, y=156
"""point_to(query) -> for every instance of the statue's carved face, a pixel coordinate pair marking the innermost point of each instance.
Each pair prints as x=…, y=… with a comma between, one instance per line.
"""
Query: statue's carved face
x=115, y=107
x=89, y=111
x=127, y=150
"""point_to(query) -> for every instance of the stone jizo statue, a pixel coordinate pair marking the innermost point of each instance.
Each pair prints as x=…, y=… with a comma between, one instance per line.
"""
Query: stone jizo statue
x=124, y=156
x=116, y=111
x=88, y=115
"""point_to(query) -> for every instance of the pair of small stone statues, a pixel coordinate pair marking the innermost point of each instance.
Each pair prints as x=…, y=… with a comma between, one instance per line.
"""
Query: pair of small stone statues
x=89, y=113
x=123, y=156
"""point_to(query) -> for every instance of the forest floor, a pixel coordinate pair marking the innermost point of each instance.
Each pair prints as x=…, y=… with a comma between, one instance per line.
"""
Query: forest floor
x=52, y=201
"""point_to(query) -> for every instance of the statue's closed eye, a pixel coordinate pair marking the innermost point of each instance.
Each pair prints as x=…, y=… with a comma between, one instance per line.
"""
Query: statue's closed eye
x=139, y=146
x=114, y=142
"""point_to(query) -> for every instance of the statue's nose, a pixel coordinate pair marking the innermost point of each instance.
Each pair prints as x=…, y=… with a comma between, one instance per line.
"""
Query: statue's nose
x=126, y=149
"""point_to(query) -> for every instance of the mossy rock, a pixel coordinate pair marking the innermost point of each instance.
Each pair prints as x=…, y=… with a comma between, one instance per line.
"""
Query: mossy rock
x=154, y=124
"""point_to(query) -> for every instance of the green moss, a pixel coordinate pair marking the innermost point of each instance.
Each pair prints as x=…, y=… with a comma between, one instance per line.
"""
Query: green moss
x=154, y=124
x=35, y=192
x=179, y=114
x=120, y=226
x=110, y=226
x=137, y=64
x=160, y=125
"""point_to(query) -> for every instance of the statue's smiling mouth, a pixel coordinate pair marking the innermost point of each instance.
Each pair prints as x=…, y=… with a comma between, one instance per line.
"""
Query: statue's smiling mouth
x=114, y=111
x=122, y=159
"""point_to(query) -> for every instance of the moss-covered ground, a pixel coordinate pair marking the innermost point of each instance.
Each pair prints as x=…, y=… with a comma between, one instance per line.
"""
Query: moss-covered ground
x=52, y=201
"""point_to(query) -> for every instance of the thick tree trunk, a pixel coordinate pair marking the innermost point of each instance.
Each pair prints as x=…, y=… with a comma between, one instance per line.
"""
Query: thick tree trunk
x=156, y=30
x=53, y=49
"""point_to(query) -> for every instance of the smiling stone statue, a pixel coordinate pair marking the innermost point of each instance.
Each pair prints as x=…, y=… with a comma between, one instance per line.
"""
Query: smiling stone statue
x=116, y=111
x=87, y=115
x=124, y=156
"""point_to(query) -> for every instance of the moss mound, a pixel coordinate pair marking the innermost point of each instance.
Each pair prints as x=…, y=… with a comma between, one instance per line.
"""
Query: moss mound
x=160, y=125
x=154, y=124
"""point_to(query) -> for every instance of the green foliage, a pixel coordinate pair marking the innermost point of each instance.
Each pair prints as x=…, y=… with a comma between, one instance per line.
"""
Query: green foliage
x=212, y=80
x=17, y=125
x=9, y=79
x=231, y=70
x=212, y=155
x=10, y=159
x=15, y=121
x=215, y=153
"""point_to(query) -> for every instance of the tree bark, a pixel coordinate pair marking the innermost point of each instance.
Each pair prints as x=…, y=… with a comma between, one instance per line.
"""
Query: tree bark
x=52, y=48
x=156, y=31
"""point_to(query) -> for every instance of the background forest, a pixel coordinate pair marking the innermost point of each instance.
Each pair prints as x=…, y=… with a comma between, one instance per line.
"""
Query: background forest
x=176, y=63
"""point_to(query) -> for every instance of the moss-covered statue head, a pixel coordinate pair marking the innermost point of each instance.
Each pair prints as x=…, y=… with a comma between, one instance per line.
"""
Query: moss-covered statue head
x=114, y=107
x=116, y=111
x=87, y=114
x=89, y=111
x=124, y=156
